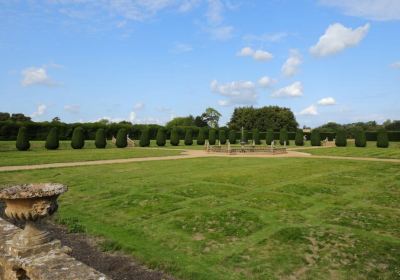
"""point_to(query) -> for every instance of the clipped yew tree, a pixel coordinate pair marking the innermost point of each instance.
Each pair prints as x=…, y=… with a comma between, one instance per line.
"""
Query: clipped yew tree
x=232, y=137
x=315, y=138
x=382, y=139
x=341, y=140
x=188, y=137
x=78, y=138
x=100, y=139
x=122, y=141
x=360, y=138
x=174, y=139
x=269, y=137
x=212, y=136
x=283, y=137
x=201, y=138
x=22, y=143
x=144, y=137
x=161, y=138
x=222, y=136
x=244, y=136
x=52, y=142
x=299, y=139
x=256, y=136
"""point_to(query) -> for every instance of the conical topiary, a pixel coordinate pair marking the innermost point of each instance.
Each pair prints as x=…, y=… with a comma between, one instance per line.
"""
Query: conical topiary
x=284, y=137
x=201, y=138
x=341, y=139
x=174, y=139
x=232, y=137
x=299, y=139
x=382, y=140
x=52, y=142
x=269, y=137
x=100, y=140
x=222, y=137
x=212, y=136
x=122, y=138
x=188, y=137
x=161, y=139
x=360, y=138
x=22, y=143
x=144, y=138
x=256, y=136
x=315, y=138
x=78, y=139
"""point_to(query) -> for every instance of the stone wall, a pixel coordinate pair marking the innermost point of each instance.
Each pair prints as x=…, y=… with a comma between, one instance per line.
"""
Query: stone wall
x=51, y=264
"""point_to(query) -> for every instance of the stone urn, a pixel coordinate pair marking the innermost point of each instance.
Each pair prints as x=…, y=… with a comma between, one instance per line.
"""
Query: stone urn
x=29, y=204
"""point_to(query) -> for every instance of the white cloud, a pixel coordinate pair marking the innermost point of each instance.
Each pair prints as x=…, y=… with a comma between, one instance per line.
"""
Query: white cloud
x=293, y=90
x=181, y=48
x=309, y=111
x=259, y=55
x=290, y=67
x=36, y=76
x=396, y=65
x=138, y=106
x=73, y=109
x=40, y=110
x=337, y=38
x=214, y=12
x=266, y=81
x=235, y=93
x=188, y=5
x=221, y=33
x=132, y=117
x=327, y=101
x=370, y=9
x=272, y=38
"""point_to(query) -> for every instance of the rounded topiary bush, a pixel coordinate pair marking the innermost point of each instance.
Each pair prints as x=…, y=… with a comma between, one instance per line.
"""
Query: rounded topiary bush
x=188, y=137
x=144, y=138
x=232, y=137
x=382, y=139
x=360, y=138
x=22, y=143
x=212, y=136
x=174, y=139
x=222, y=136
x=283, y=137
x=256, y=136
x=100, y=139
x=52, y=141
x=122, y=138
x=299, y=139
x=315, y=138
x=341, y=139
x=78, y=138
x=161, y=138
x=269, y=137
x=201, y=138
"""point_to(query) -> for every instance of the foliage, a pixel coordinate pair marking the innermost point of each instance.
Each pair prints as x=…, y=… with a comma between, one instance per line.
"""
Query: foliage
x=315, y=138
x=283, y=136
x=299, y=140
x=199, y=122
x=100, y=140
x=222, y=136
x=144, y=138
x=78, y=140
x=201, y=138
x=52, y=141
x=174, y=140
x=211, y=117
x=122, y=141
x=270, y=117
x=256, y=136
x=341, y=139
x=161, y=138
x=180, y=121
x=392, y=125
x=382, y=139
x=22, y=143
x=212, y=136
x=232, y=137
x=189, y=137
x=360, y=138
x=269, y=136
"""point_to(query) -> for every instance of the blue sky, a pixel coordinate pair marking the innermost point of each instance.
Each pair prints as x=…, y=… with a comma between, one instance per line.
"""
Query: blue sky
x=146, y=61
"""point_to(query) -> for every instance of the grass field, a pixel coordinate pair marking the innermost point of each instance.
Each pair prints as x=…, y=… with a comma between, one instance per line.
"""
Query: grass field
x=351, y=151
x=238, y=218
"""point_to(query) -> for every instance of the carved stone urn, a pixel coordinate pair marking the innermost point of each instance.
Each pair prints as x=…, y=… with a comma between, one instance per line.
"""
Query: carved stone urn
x=29, y=204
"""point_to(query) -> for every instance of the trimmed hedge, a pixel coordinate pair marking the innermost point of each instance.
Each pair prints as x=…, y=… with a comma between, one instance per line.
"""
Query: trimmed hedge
x=269, y=137
x=144, y=138
x=382, y=140
x=22, y=143
x=100, y=140
x=161, y=138
x=315, y=138
x=232, y=137
x=341, y=140
x=189, y=137
x=299, y=140
x=256, y=137
x=174, y=140
x=360, y=138
x=52, y=141
x=201, y=139
x=222, y=136
x=212, y=136
x=283, y=137
x=78, y=139
x=122, y=140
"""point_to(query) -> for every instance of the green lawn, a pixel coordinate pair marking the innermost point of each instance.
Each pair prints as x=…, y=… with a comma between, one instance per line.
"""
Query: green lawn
x=238, y=218
x=351, y=151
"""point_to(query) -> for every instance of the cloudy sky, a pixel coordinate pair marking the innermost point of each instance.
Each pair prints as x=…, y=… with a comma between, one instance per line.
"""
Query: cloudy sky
x=149, y=60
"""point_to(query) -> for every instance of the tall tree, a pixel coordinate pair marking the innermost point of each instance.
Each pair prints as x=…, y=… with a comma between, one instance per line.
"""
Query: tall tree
x=211, y=117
